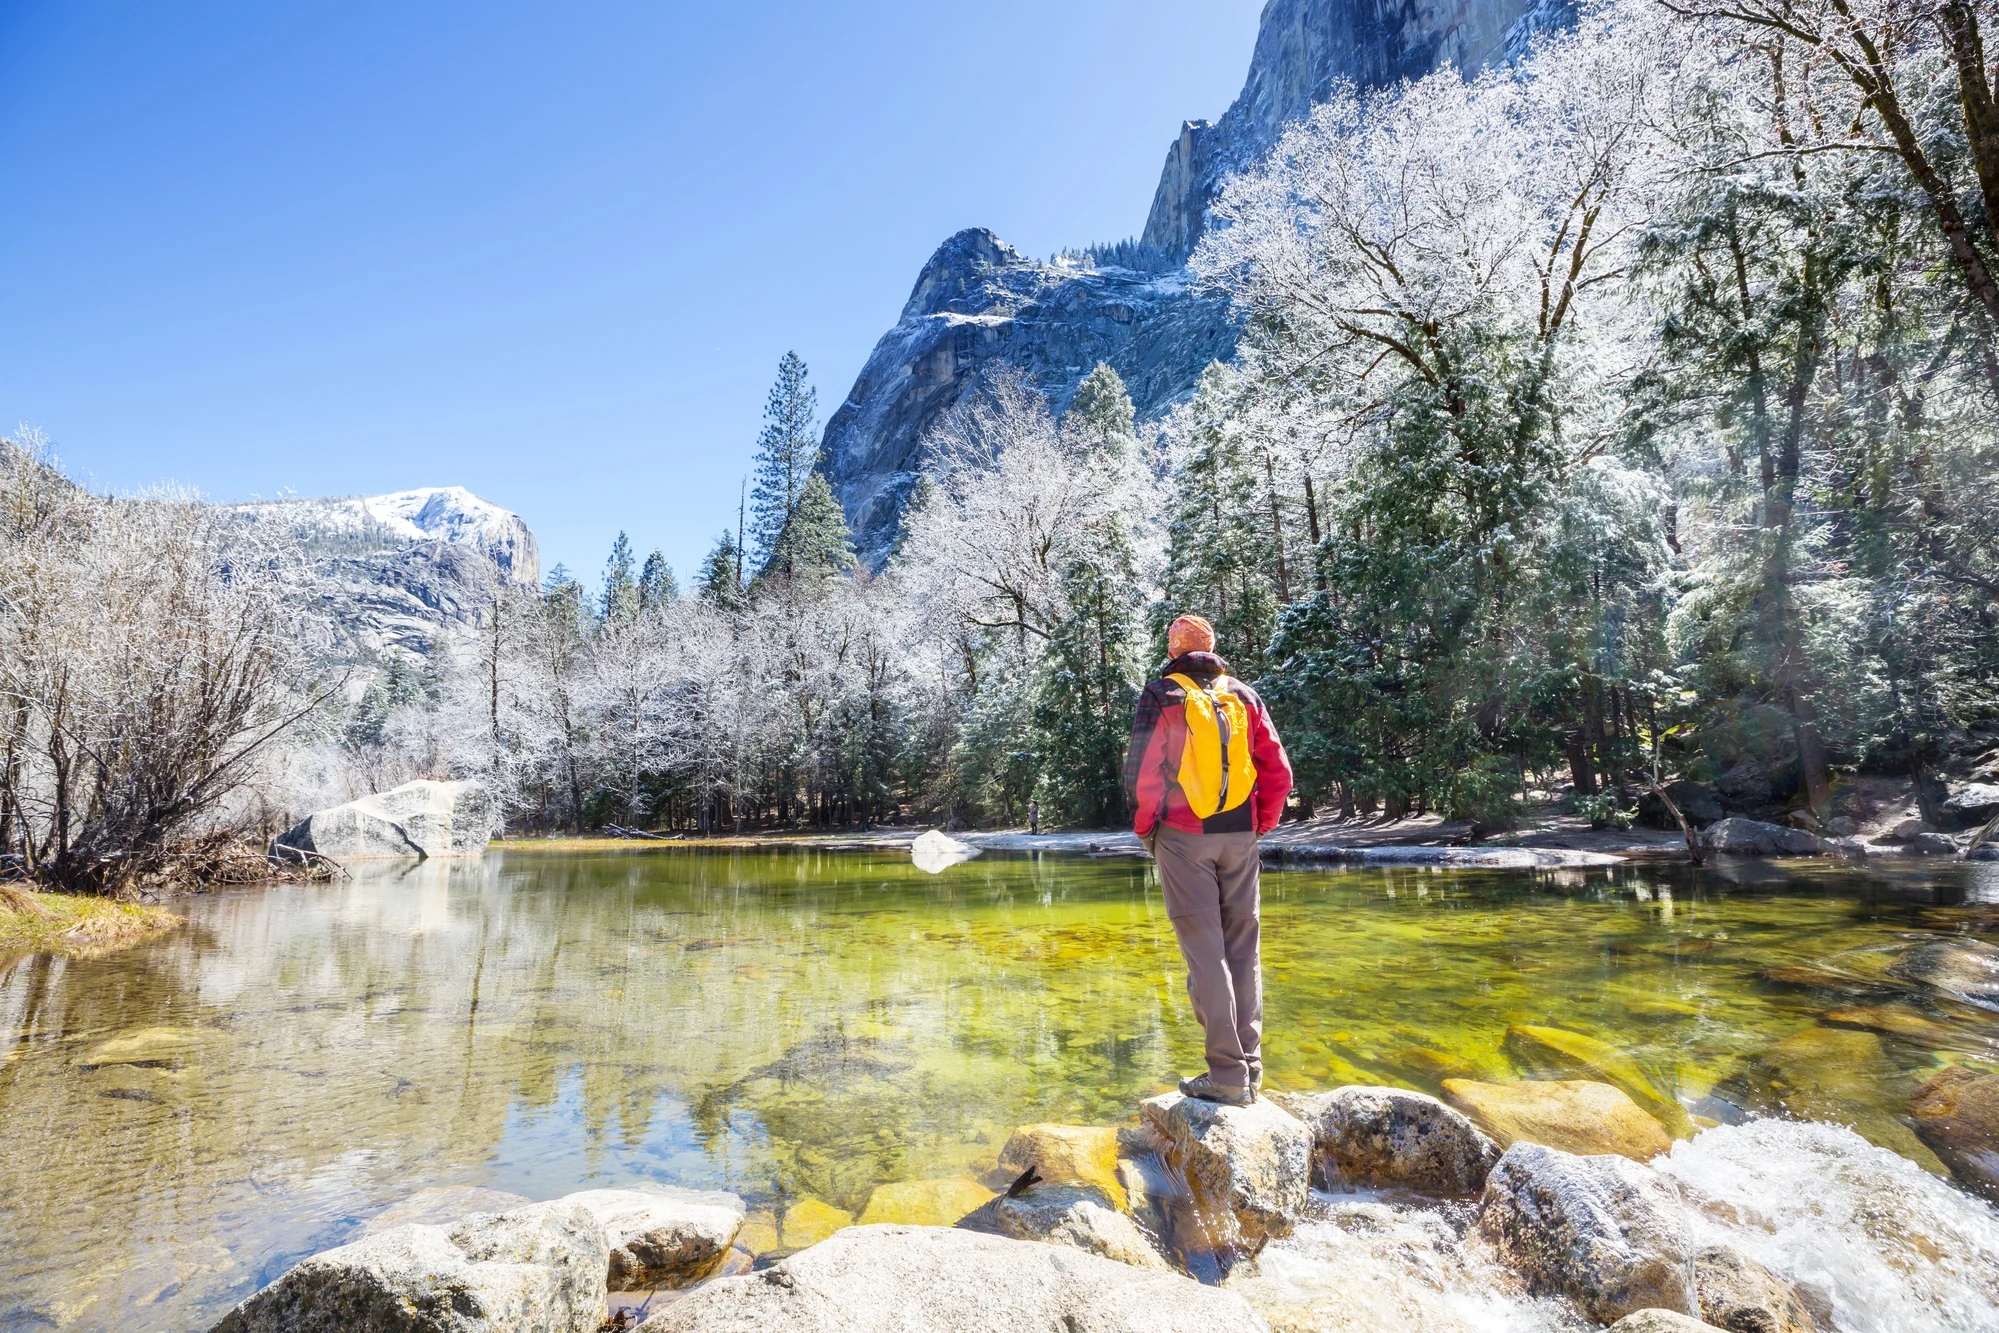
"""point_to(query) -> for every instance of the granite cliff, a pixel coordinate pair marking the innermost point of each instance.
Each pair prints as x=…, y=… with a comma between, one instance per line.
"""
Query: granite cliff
x=978, y=300
x=409, y=570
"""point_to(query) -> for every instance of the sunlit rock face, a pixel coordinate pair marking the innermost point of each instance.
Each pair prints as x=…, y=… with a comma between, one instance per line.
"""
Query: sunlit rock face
x=979, y=301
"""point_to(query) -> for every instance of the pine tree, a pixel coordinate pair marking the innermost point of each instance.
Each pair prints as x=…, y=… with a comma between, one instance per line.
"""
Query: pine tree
x=1217, y=557
x=656, y=583
x=1101, y=415
x=787, y=454
x=620, y=597
x=720, y=580
x=817, y=543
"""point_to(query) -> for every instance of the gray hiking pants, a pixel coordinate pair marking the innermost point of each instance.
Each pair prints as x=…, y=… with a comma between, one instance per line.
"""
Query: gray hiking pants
x=1209, y=881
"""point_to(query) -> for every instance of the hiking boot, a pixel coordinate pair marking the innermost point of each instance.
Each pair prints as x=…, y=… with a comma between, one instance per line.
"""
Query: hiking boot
x=1206, y=1089
x=1256, y=1079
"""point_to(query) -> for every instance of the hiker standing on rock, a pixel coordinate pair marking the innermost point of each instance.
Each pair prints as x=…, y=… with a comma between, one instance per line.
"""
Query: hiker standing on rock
x=1207, y=777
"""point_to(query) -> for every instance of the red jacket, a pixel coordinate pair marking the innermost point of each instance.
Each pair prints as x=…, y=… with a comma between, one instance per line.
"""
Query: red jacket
x=1159, y=734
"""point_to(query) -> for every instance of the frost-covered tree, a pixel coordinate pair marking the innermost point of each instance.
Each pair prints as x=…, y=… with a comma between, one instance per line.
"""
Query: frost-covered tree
x=787, y=455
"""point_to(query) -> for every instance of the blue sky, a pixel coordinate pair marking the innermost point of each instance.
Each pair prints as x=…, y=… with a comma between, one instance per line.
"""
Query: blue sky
x=549, y=252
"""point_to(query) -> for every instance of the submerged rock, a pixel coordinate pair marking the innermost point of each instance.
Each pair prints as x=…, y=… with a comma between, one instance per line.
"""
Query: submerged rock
x=810, y=1221
x=1742, y=1296
x=1246, y=1165
x=1570, y=1115
x=1967, y=969
x=1736, y=836
x=660, y=1237
x=889, y=1279
x=1560, y=1047
x=540, y=1267
x=924, y=1203
x=157, y=1048
x=1604, y=1231
x=1957, y=1114
x=1834, y=1075
x=1067, y=1154
x=1388, y=1136
x=1079, y=1216
x=1895, y=1020
x=418, y=819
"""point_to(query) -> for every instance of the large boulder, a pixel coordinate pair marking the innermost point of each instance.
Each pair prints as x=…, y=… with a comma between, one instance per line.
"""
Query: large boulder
x=892, y=1279
x=541, y=1267
x=1603, y=1231
x=1248, y=1167
x=420, y=819
x=1079, y=1216
x=1699, y=802
x=1957, y=1114
x=1967, y=969
x=1388, y=1136
x=661, y=1237
x=1742, y=1296
x=1574, y=1116
x=1736, y=836
x=1971, y=805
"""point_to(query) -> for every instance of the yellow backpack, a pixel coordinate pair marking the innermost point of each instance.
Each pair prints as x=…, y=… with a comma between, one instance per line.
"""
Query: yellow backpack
x=1215, y=769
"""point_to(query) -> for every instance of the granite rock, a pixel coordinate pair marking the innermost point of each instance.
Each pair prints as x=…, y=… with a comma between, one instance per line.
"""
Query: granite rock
x=1736, y=836
x=1247, y=1167
x=1079, y=1216
x=1742, y=1296
x=422, y=819
x=1389, y=1136
x=661, y=1237
x=1603, y=1231
x=894, y=1279
x=541, y=1267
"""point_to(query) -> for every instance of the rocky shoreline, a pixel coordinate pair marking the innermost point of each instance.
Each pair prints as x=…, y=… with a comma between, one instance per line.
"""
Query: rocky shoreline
x=1558, y=1191
x=1885, y=821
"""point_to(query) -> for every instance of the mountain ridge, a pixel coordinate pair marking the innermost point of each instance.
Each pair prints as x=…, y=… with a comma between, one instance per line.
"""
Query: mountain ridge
x=978, y=301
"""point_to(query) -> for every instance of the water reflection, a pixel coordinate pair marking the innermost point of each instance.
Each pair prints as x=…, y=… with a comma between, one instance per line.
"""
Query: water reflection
x=211, y=1107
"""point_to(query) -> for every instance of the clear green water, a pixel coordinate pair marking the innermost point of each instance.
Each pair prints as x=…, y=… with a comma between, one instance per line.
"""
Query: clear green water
x=184, y=1120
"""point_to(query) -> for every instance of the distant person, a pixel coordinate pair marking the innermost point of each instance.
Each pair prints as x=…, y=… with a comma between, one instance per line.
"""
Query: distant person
x=1034, y=818
x=1207, y=777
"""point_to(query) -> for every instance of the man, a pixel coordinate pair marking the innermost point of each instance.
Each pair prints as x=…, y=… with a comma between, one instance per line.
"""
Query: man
x=1207, y=777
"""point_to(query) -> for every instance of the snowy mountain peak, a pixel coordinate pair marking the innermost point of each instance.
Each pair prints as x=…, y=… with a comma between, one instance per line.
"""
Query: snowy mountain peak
x=454, y=514
x=448, y=514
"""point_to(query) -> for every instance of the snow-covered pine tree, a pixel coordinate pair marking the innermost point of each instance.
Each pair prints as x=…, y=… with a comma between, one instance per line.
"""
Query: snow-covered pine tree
x=1100, y=416
x=657, y=586
x=787, y=454
x=1219, y=550
x=619, y=599
x=720, y=582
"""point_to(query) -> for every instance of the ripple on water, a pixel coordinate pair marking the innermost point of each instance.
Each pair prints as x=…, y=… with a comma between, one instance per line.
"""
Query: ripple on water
x=1887, y=1246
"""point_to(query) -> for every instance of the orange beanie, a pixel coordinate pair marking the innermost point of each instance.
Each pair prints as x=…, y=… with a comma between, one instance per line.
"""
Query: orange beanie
x=1189, y=634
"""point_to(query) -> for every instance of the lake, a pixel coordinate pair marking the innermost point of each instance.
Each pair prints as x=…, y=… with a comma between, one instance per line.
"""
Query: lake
x=185, y=1119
